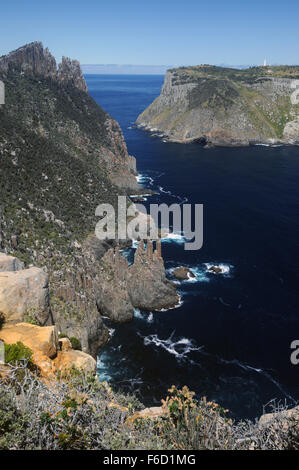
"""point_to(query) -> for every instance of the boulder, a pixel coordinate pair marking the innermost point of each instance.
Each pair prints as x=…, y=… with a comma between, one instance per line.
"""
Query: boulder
x=65, y=360
x=65, y=344
x=24, y=291
x=41, y=340
x=183, y=273
x=10, y=263
x=282, y=418
x=215, y=269
x=152, y=413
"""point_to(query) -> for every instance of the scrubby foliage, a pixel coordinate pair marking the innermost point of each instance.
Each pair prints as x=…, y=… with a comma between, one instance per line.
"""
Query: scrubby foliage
x=75, y=343
x=247, y=75
x=17, y=352
x=80, y=412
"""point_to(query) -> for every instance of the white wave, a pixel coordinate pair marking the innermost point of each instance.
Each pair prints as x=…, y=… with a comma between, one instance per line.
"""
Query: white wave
x=140, y=178
x=135, y=244
x=179, y=348
x=173, y=238
x=150, y=318
x=142, y=316
x=162, y=190
x=111, y=332
x=102, y=369
x=138, y=314
x=182, y=200
x=180, y=302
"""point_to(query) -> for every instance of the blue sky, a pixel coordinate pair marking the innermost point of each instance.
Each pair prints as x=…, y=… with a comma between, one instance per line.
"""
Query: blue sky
x=168, y=32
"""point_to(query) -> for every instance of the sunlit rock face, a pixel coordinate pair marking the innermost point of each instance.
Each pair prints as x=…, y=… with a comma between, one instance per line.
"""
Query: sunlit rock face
x=220, y=106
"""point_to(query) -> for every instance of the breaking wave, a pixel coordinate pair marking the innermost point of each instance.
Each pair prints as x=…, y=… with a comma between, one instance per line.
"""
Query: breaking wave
x=179, y=348
x=144, y=179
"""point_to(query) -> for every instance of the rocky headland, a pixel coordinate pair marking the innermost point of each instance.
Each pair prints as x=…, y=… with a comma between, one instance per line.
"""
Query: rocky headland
x=213, y=105
x=61, y=156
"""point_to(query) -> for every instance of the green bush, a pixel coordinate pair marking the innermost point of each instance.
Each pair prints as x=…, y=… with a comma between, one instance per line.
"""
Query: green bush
x=17, y=352
x=76, y=344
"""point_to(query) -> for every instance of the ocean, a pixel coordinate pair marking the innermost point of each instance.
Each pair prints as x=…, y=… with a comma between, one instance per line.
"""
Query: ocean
x=230, y=338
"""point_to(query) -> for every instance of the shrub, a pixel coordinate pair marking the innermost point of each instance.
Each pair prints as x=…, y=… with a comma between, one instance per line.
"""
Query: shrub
x=12, y=423
x=76, y=344
x=80, y=412
x=17, y=352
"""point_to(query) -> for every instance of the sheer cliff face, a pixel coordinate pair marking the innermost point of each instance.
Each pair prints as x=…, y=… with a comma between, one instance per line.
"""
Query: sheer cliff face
x=226, y=106
x=61, y=156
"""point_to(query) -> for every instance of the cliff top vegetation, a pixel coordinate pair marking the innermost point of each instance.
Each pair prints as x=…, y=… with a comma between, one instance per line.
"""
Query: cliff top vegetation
x=249, y=75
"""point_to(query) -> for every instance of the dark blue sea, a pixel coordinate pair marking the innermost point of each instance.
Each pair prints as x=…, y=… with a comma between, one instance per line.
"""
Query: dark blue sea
x=230, y=338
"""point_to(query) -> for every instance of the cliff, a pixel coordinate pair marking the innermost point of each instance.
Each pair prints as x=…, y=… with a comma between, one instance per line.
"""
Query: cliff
x=61, y=156
x=222, y=106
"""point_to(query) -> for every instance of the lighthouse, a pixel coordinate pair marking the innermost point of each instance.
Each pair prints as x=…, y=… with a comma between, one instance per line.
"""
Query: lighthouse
x=265, y=63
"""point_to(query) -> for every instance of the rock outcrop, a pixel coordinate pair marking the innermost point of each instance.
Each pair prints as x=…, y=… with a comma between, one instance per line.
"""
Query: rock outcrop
x=148, y=287
x=48, y=352
x=182, y=273
x=39, y=339
x=23, y=291
x=10, y=263
x=153, y=413
x=69, y=73
x=220, y=106
x=121, y=288
x=65, y=360
x=35, y=60
x=282, y=418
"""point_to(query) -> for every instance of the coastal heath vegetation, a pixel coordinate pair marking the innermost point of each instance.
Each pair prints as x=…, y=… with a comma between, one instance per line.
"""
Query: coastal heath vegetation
x=80, y=412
